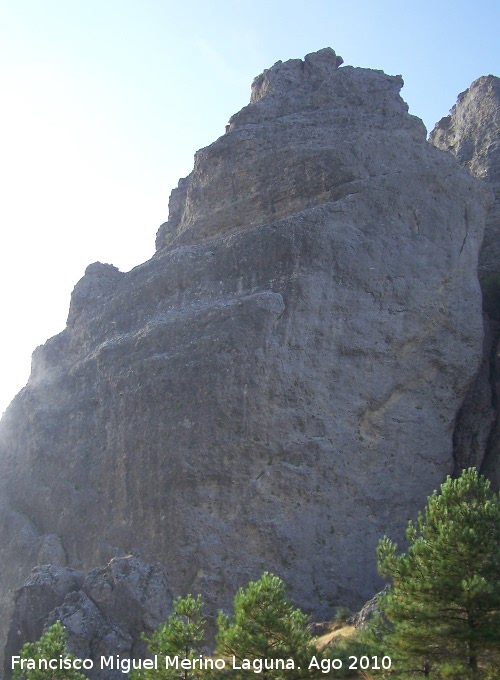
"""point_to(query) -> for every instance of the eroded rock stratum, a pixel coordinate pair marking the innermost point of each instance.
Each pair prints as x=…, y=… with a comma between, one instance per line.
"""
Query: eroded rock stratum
x=278, y=386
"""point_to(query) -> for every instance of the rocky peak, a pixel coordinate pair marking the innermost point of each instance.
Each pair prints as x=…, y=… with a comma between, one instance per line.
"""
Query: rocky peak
x=471, y=130
x=278, y=386
x=290, y=149
x=283, y=77
x=93, y=289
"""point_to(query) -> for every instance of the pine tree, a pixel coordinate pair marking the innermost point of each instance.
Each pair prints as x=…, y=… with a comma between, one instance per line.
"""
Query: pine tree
x=265, y=627
x=51, y=647
x=181, y=636
x=444, y=604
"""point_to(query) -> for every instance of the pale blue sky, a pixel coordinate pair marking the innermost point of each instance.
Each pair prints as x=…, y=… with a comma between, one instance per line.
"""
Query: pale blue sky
x=104, y=103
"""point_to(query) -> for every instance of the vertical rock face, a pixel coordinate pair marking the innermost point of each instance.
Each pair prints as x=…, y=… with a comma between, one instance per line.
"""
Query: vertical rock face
x=278, y=386
x=472, y=133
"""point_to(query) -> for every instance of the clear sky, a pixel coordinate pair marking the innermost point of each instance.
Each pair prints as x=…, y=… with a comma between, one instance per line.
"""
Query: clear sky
x=104, y=102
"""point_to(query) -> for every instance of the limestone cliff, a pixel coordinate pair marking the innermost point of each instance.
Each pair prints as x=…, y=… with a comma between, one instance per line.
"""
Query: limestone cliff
x=278, y=386
x=472, y=133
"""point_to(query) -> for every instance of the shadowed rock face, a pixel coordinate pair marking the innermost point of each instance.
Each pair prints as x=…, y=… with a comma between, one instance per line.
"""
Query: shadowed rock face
x=278, y=386
x=472, y=133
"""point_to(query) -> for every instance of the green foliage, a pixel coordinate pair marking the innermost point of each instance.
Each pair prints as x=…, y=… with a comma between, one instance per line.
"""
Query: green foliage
x=444, y=604
x=182, y=636
x=50, y=647
x=266, y=627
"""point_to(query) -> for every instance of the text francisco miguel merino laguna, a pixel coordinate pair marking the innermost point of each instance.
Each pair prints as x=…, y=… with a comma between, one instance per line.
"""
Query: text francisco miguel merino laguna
x=126, y=665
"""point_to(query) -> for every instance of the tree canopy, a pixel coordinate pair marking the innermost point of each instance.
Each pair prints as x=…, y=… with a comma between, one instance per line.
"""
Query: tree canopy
x=181, y=636
x=266, y=627
x=444, y=602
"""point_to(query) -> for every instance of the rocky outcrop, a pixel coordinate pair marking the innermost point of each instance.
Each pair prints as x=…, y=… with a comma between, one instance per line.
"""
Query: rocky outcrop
x=472, y=133
x=278, y=386
x=45, y=589
x=104, y=614
x=364, y=617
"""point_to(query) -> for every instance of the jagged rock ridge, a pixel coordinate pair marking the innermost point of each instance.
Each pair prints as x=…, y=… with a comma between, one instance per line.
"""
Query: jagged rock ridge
x=278, y=386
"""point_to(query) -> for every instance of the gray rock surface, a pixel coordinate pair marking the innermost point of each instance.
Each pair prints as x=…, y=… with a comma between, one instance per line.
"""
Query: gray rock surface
x=313, y=133
x=362, y=619
x=472, y=133
x=104, y=614
x=45, y=589
x=278, y=386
